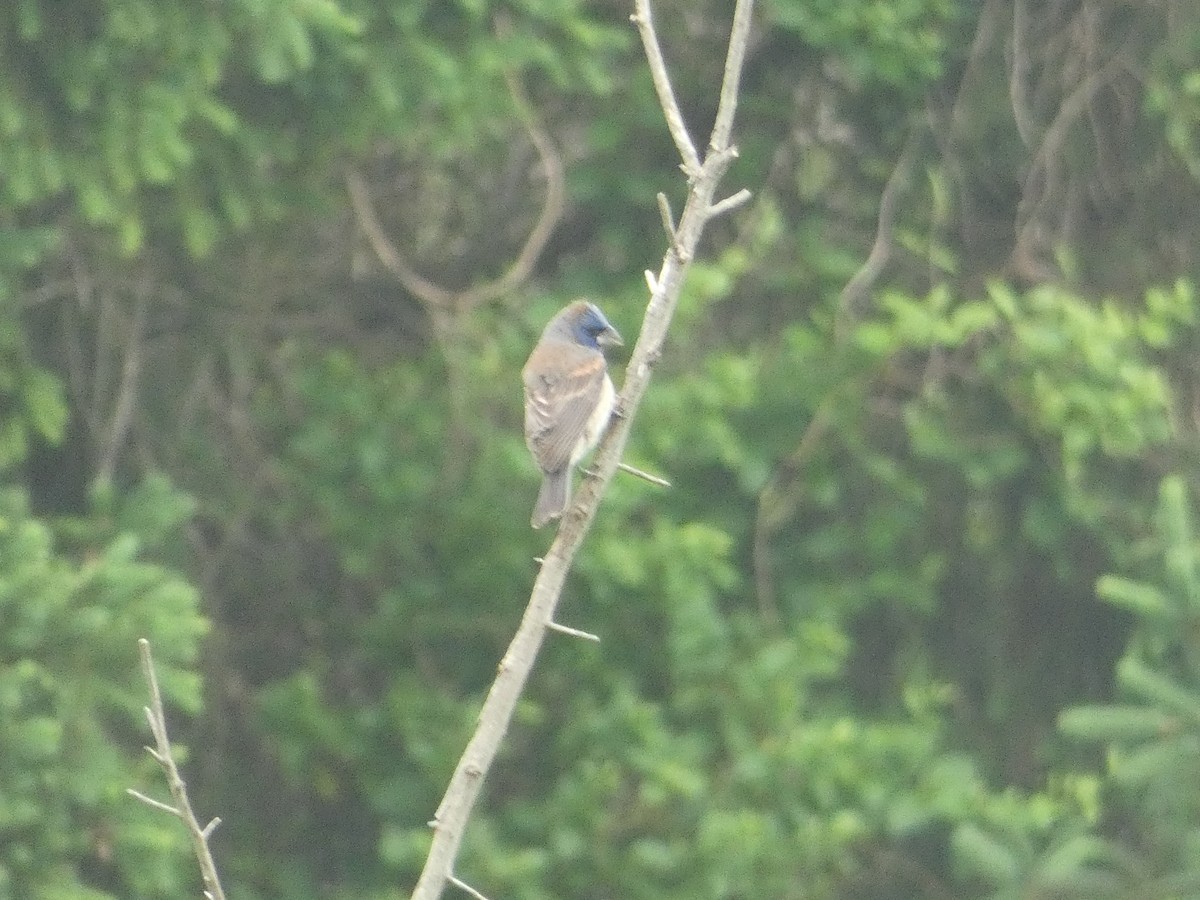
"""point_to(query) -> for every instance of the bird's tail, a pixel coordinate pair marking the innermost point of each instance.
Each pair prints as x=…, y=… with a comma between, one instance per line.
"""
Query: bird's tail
x=552, y=498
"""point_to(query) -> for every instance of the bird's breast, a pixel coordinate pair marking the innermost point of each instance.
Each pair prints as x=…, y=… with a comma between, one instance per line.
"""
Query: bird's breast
x=594, y=427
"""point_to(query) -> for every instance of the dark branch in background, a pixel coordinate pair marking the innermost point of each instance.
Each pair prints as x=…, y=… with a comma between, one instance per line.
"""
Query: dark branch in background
x=1018, y=89
x=852, y=303
x=450, y=820
x=182, y=808
x=393, y=260
x=447, y=309
x=123, y=408
x=778, y=501
x=434, y=296
x=1043, y=189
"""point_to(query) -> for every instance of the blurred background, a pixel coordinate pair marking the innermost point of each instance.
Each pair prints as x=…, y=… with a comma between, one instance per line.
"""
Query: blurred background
x=920, y=615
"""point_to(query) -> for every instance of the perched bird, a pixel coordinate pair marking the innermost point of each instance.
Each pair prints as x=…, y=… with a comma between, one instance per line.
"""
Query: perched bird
x=568, y=399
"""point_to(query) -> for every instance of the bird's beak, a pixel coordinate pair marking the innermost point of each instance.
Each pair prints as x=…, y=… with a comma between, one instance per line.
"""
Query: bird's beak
x=609, y=338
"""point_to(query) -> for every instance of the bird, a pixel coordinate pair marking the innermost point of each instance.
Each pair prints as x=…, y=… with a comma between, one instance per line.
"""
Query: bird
x=568, y=399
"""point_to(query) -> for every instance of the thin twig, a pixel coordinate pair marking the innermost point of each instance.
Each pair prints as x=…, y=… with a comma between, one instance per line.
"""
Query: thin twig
x=466, y=888
x=729, y=203
x=645, y=476
x=668, y=219
x=450, y=820
x=183, y=806
x=739, y=40
x=150, y=801
x=573, y=632
x=666, y=94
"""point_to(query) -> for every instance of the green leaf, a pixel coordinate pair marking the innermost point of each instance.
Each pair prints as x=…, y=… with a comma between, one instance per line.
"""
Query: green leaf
x=1135, y=596
x=45, y=404
x=980, y=855
x=1116, y=723
x=1158, y=688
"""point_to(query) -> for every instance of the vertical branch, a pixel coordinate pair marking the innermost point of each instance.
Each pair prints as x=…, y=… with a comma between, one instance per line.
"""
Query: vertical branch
x=853, y=300
x=450, y=820
x=662, y=85
x=182, y=808
x=1018, y=87
x=124, y=407
x=739, y=40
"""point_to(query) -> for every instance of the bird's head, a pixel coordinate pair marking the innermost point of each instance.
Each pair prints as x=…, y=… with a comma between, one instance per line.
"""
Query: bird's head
x=583, y=323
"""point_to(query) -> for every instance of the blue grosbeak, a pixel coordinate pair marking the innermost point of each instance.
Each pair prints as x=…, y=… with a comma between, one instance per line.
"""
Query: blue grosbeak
x=568, y=399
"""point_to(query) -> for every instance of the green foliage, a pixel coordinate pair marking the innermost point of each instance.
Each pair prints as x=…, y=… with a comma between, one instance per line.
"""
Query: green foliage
x=833, y=653
x=71, y=699
x=198, y=122
x=32, y=406
x=1173, y=92
x=708, y=746
x=896, y=44
x=1153, y=739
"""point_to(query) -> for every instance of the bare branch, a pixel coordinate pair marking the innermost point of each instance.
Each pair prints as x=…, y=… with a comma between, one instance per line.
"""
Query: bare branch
x=666, y=94
x=450, y=820
x=183, y=806
x=150, y=801
x=573, y=632
x=668, y=218
x=729, y=203
x=466, y=888
x=739, y=40
x=645, y=476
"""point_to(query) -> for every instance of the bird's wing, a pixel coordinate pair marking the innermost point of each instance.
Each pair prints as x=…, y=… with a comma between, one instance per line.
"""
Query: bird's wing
x=563, y=383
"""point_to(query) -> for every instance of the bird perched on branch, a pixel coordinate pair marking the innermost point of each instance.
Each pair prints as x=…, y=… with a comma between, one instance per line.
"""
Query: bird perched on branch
x=568, y=400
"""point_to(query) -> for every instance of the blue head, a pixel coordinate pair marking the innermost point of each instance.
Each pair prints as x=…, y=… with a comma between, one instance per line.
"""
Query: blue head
x=583, y=323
